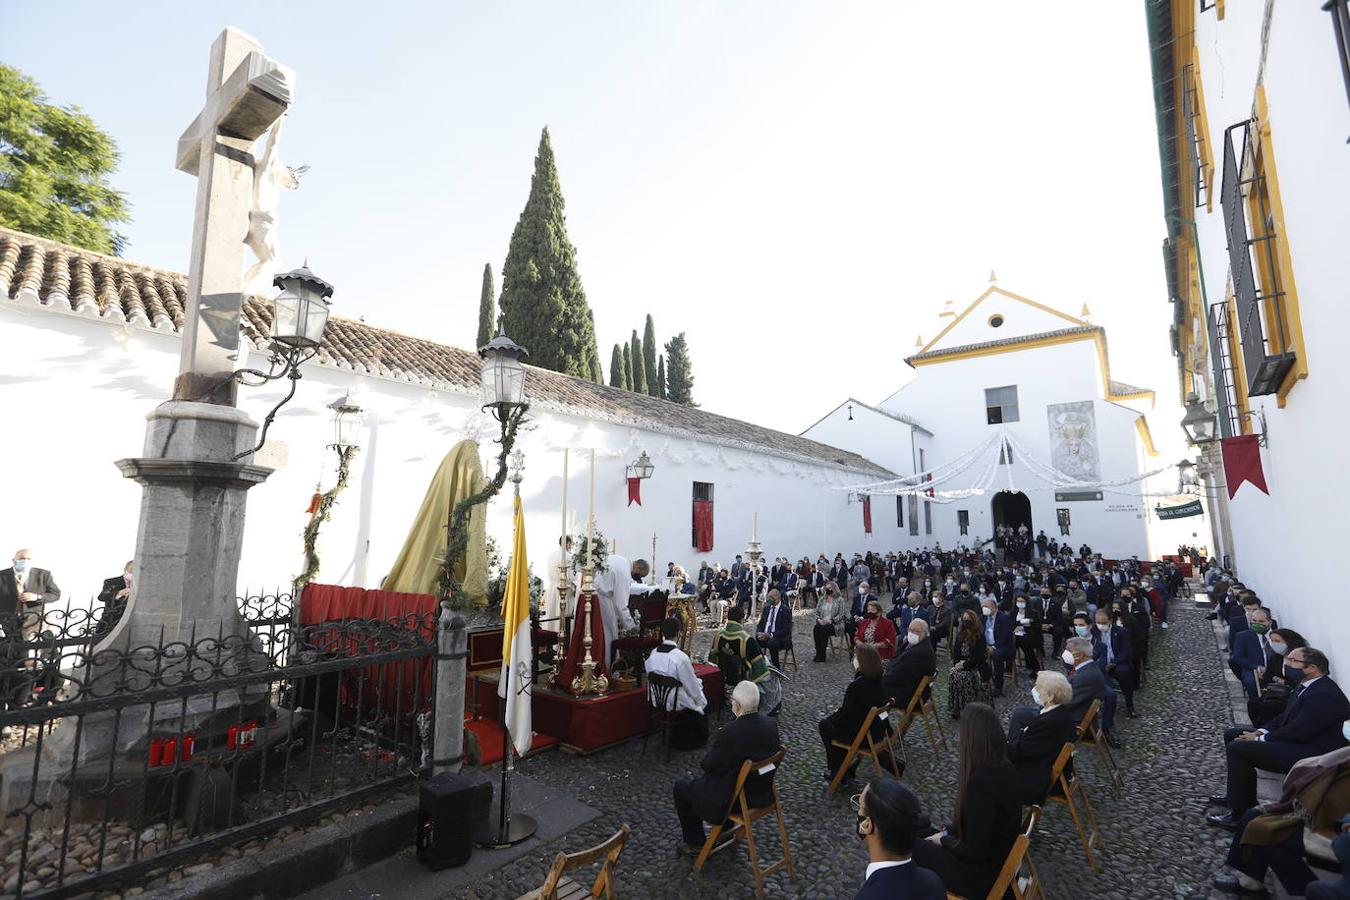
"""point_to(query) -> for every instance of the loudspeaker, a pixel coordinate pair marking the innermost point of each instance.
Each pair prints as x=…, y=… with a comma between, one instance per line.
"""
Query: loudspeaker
x=450, y=807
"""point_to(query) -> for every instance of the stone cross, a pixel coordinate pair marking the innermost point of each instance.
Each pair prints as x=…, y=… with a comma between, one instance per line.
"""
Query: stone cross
x=246, y=93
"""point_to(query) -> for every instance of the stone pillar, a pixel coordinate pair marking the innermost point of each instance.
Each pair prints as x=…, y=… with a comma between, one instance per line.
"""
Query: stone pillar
x=452, y=654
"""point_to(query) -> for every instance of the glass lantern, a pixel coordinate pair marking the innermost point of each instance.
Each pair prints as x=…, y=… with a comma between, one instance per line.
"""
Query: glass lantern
x=347, y=421
x=300, y=311
x=1186, y=477
x=1199, y=423
x=643, y=468
x=503, y=374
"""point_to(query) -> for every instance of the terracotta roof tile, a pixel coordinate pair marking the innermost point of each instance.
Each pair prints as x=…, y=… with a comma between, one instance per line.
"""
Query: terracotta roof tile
x=36, y=270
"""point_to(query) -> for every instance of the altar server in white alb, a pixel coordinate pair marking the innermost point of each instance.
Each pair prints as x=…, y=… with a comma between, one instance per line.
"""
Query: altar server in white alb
x=669, y=659
x=620, y=580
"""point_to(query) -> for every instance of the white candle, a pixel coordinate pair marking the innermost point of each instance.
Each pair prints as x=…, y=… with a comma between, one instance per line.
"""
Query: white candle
x=590, y=517
x=563, y=545
x=754, y=528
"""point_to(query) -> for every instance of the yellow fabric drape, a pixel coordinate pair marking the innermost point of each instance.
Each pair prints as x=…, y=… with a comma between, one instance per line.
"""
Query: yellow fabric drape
x=459, y=475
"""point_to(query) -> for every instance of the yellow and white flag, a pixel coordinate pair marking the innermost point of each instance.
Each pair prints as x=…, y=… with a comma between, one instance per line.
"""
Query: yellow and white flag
x=516, y=658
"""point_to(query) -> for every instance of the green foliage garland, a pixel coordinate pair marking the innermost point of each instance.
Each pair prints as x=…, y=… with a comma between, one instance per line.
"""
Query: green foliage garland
x=320, y=515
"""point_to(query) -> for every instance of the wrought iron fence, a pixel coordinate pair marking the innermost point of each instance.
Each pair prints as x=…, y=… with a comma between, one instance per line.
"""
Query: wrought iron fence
x=119, y=763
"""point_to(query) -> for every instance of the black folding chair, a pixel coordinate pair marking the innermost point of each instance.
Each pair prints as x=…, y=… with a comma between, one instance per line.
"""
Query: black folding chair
x=663, y=692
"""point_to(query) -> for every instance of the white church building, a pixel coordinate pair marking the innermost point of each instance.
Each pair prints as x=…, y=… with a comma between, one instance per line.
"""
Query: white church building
x=89, y=345
x=1077, y=441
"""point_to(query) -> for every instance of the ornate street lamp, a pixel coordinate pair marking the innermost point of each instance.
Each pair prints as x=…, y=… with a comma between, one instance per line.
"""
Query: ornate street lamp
x=347, y=419
x=1186, y=477
x=299, y=317
x=503, y=377
x=641, y=467
x=1200, y=425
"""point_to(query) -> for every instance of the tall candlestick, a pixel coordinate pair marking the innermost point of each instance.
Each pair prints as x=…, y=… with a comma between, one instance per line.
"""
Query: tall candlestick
x=754, y=528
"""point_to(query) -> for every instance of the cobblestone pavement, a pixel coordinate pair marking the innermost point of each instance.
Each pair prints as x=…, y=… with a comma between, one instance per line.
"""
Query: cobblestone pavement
x=1156, y=843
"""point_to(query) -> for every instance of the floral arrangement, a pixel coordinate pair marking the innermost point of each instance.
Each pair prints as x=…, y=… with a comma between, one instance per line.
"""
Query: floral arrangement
x=599, y=551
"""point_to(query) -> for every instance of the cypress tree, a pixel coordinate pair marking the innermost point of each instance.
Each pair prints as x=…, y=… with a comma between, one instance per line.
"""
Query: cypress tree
x=661, y=377
x=639, y=370
x=543, y=303
x=616, y=368
x=487, y=314
x=649, y=356
x=679, y=374
x=627, y=367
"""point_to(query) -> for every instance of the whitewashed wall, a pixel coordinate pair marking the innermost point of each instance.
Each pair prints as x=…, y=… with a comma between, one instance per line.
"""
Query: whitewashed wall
x=82, y=388
x=951, y=396
x=1287, y=543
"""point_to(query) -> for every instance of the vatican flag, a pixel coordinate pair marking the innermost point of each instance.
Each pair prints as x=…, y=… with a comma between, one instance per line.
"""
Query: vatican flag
x=515, y=682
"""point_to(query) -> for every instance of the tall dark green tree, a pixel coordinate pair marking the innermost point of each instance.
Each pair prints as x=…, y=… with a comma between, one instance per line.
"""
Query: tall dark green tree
x=54, y=169
x=543, y=303
x=679, y=372
x=616, y=368
x=639, y=369
x=649, y=356
x=661, y=377
x=487, y=311
x=627, y=367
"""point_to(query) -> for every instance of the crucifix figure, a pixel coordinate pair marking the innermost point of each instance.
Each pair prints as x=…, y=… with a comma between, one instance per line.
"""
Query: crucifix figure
x=246, y=94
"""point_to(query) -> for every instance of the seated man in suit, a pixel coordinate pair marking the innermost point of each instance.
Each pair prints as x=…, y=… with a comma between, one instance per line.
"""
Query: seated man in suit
x=889, y=818
x=908, y=667
x=998, y=635
x=858, y=610
x=775, y=625
x=1086, y=678
x=1251, y=654
x=1309, y=726
x=114, y=596
x=704, y=798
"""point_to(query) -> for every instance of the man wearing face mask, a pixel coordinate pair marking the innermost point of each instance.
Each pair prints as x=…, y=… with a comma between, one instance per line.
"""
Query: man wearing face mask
x=1111, y=650
x=1252, y=655
x=1085, y=677
x=1309, y=726
x=998, y=637
x=24, y=590
x=889, y=818
x=1029, y=630
x=908, y=667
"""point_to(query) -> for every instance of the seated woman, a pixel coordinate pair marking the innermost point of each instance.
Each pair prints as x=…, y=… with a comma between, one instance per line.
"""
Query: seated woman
x=1034, y=742
x=970, y=664
x=968, y=854
x=877, y=631
x=863, y=692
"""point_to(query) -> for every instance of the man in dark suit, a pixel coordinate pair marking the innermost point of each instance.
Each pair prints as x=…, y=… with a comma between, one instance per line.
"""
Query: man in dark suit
x=908, y=667
x=704, y=798
x=1309, y=726
x=775, y=626
x=1085, y=677
x=888, y=819
x=1251, y=654
x=1028, y=629
x=114, y=597
x=24, y=590
x=738, y=568
x=858, y=609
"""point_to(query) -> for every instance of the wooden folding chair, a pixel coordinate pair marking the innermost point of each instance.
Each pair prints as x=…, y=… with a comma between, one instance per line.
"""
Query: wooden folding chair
x=873, y=747
x=1012, y=879
x=922, y=707
x=835, y=641
x=1090, y=732
x=743, y=818
x=1067, y=789
x=789, y=657
x=556, y=887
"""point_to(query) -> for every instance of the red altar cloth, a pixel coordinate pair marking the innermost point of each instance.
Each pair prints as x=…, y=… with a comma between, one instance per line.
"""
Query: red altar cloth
x=587, y=724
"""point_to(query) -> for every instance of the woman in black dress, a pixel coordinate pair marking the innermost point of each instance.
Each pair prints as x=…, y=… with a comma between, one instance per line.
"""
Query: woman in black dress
x=968, y=854
x=970, y=665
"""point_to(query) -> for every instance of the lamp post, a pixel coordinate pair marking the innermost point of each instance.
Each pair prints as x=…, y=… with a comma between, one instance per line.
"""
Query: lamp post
x=1200, y=425
x=503, y=386
x=299, y=318
x=347, y=420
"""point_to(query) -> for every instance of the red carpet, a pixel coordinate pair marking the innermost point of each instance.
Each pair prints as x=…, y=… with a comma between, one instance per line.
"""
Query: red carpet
x=489, y=736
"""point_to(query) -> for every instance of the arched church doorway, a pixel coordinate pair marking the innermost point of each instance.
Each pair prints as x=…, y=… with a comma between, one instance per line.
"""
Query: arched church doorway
x=1012, y=508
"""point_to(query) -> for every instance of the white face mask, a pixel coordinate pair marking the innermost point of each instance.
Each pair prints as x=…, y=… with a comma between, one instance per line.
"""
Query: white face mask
x=1345, y=729
x=1036, y=697
x=1021, y=604
x=912, y=638
x=21, y=565
x=1067, y=657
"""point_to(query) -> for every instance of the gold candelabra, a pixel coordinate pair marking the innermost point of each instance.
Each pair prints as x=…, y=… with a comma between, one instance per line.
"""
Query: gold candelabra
x=588, y=682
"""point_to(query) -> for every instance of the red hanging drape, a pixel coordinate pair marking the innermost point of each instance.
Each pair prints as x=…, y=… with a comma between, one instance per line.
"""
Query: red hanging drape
x=703, y=525
x=867, y=515
x=576, y=650
x=635, y=491
x=1242, y=462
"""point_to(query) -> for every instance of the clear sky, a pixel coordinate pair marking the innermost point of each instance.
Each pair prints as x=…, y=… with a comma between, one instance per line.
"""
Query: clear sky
x=798, y=186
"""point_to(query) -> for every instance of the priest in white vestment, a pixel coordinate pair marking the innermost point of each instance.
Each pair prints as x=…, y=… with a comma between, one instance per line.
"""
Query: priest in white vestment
x=620, y=580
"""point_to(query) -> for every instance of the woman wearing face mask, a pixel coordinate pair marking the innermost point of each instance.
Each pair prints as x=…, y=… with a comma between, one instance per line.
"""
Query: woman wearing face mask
x=878, y=631
x=1033, y=747
x=971, y=669
x=968, y=854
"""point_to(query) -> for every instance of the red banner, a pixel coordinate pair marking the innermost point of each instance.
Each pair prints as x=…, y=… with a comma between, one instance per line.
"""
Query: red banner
x=867, y=515
x=703, y=525
x=1242, y=462
x=635, y=491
